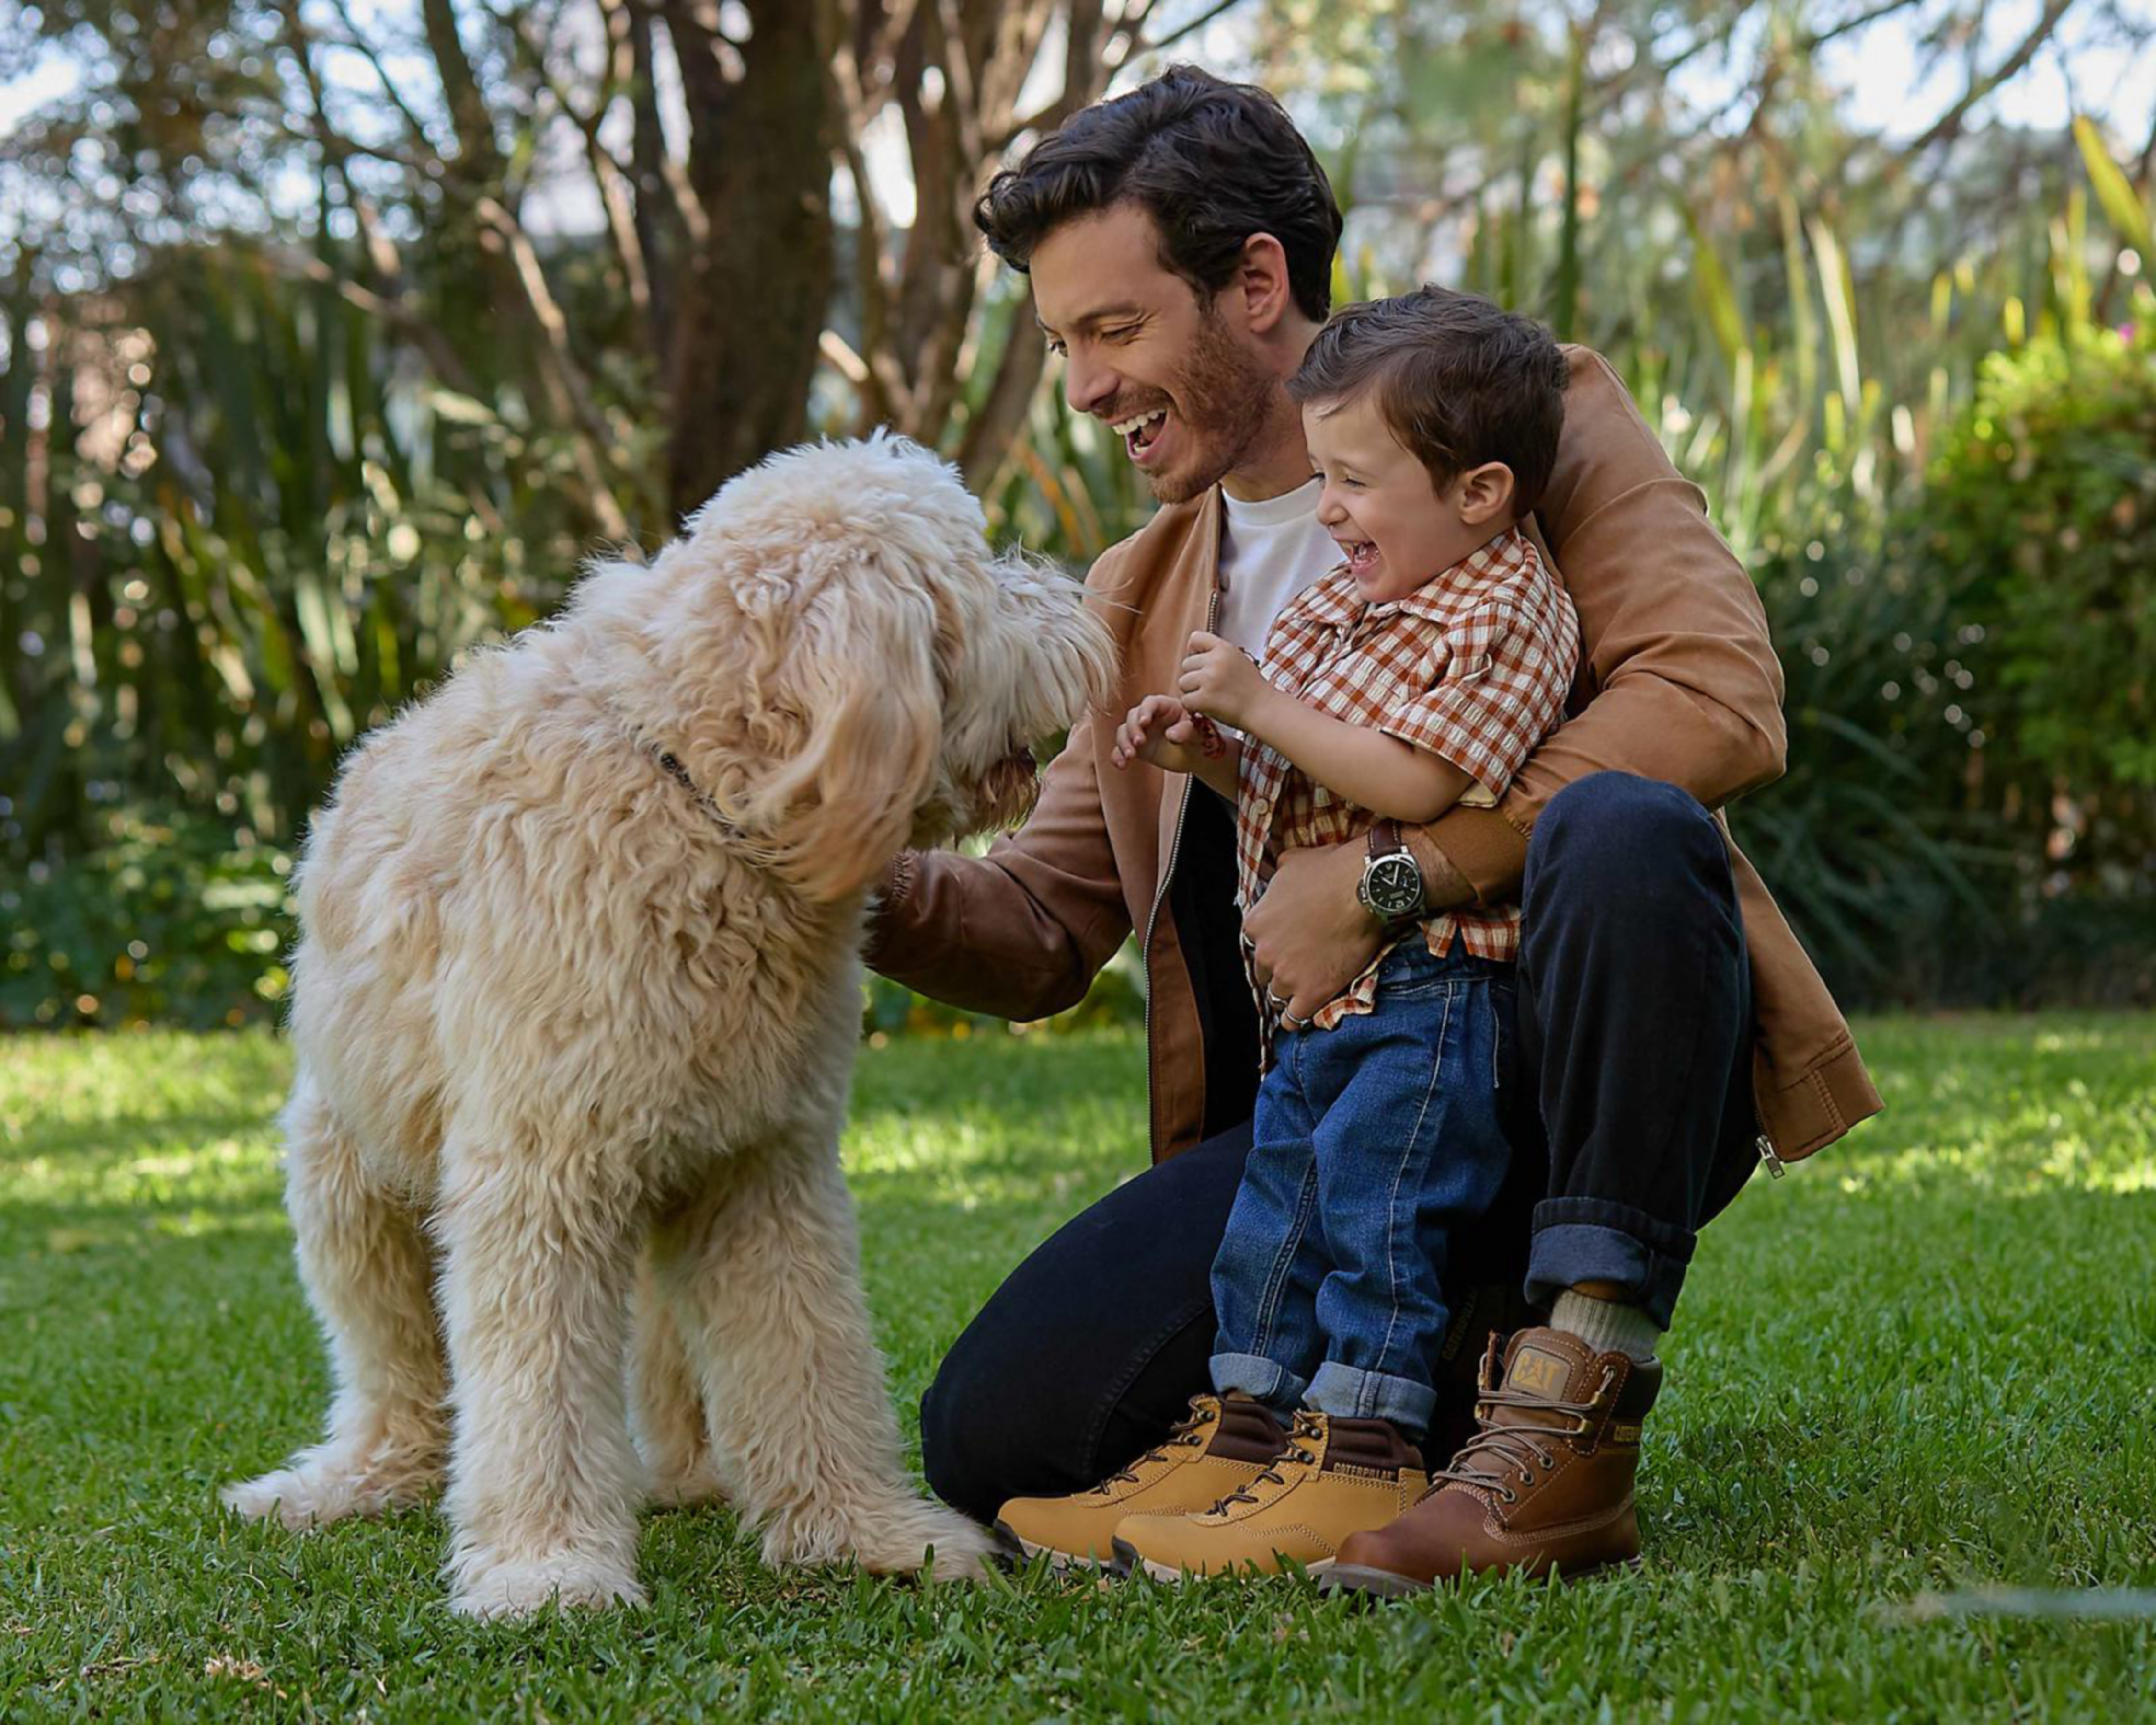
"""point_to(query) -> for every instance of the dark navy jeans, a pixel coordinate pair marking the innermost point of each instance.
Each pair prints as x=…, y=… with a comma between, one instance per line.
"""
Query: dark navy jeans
x=1631, y=1124
x=1373, y=1144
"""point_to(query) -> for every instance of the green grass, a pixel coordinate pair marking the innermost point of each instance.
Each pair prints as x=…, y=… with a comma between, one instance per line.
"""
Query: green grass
x=1925, y=1362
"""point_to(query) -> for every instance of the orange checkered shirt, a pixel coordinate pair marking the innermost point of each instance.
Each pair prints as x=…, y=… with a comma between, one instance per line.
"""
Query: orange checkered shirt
x=1474, y=665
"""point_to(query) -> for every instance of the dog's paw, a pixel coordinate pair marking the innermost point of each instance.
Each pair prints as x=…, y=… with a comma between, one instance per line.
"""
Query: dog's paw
x=886, y=1540
x=329, y=1483
x=963, y=1547
x=485, y=1588
x=305, y=1497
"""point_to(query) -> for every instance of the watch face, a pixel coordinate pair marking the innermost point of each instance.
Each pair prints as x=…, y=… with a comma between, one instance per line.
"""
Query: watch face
x=1394, y=886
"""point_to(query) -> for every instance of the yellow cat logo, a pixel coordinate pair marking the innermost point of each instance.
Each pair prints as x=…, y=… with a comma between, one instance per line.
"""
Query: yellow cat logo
x=1537, y=1372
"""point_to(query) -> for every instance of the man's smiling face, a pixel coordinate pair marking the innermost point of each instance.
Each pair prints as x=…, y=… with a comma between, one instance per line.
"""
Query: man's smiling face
x=1153, y=358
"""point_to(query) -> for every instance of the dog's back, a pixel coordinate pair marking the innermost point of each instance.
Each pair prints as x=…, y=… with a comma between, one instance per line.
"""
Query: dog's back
x=506, y=887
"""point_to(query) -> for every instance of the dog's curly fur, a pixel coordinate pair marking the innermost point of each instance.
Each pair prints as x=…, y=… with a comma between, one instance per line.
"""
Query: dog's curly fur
x=569, y=1028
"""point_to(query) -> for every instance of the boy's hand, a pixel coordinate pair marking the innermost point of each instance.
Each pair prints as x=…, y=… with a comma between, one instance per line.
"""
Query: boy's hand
x=1220, y=681
x=1160, y=729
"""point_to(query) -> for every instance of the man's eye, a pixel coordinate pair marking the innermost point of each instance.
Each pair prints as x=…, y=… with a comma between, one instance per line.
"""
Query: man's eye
x=1055, y=347
x=1124, y=334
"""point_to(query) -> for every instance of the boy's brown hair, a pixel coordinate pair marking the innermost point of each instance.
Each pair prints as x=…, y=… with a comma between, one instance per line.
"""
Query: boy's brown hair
x=1459, y=381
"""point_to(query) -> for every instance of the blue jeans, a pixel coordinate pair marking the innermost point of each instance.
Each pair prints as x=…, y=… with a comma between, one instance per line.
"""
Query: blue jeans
x=1374, y=1144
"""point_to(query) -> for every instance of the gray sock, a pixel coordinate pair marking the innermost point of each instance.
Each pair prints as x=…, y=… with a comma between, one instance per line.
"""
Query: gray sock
x=1606, y=1325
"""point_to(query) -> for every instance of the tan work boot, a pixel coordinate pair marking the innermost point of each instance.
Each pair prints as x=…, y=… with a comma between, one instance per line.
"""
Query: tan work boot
x=1545, y=1484
x=1220, y=1446
x=1336, y=1477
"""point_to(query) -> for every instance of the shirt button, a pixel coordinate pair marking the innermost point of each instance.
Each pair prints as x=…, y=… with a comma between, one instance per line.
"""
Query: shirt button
x=1261, y=806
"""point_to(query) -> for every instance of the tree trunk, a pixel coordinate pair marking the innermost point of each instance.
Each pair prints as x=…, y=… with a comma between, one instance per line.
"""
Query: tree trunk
x=755, y=286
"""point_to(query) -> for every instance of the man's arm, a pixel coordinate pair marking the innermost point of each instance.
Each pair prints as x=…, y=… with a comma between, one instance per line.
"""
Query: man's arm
x=1022, y=932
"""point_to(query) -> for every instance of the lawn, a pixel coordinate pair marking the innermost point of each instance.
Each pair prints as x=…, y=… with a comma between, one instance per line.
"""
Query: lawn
x=1923, y=1364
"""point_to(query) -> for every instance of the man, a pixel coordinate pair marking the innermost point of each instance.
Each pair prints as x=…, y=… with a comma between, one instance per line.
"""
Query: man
x=1180, y=241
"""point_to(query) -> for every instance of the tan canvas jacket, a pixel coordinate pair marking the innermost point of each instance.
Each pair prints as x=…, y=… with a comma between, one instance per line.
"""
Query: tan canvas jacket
x=1678, y=681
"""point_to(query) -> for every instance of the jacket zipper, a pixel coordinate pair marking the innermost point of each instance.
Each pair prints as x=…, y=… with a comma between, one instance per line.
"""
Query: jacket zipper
x=1160, y=898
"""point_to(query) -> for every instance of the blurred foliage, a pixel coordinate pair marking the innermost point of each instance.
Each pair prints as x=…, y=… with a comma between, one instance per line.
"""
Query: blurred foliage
x=2043, y=503
x=165, y=921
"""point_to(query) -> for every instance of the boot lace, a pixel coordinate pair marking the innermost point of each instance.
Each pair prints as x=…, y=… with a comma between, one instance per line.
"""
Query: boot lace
x=1305, y=1427
x=1515, y=1450
x=1185, y=1432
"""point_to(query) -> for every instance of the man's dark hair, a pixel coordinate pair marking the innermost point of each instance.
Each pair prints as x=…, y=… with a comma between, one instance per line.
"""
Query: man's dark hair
x=1212, y=162
x=1459, y=381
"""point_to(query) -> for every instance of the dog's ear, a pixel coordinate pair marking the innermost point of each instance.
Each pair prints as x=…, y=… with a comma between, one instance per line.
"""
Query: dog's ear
x=862, y=676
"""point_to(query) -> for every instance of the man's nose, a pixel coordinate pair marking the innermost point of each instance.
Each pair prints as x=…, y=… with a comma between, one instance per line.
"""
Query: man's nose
x=1087, y=385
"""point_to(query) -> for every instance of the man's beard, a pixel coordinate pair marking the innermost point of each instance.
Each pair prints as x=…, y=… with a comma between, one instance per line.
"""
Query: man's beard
x=1225, y=399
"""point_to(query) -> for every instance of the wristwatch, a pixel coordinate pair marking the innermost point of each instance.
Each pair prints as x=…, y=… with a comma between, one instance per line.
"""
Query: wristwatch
x=1391, y=886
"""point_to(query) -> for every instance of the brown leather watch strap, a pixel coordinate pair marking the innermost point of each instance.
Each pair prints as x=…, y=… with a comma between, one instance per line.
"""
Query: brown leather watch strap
x=1385, y=838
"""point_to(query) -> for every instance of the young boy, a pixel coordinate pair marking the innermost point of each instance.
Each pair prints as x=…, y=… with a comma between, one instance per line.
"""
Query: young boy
x=1422, y=671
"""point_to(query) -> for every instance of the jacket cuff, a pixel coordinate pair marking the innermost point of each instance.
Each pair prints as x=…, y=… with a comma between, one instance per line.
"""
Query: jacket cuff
x=1485, y=849
x=887, y=904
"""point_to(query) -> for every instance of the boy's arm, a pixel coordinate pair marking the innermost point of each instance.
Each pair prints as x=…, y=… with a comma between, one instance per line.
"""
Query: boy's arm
x=1364, y=766
x=1163, y=732
x=1221, y=773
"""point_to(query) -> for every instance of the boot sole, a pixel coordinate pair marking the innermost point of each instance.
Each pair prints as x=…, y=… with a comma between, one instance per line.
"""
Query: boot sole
x=1015, y=1551
x=1384, y=1583
x=1128, y=1562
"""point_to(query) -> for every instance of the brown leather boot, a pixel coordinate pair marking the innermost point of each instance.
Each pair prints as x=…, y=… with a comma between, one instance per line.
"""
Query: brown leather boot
x=1479, y=1313
x=1545, y=1484
x=1219, y=1447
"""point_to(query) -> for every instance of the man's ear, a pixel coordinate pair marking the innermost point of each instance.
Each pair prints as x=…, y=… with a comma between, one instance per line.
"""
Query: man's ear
x=1484, y=494
x=1262, y=286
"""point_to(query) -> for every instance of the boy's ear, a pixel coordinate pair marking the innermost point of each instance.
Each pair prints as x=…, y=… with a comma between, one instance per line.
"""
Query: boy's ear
x=1485, y=494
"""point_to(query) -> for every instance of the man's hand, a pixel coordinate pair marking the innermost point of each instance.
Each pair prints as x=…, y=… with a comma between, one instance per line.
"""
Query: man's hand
x=1219, y=680
x=1309, y=934
x=1160, y=729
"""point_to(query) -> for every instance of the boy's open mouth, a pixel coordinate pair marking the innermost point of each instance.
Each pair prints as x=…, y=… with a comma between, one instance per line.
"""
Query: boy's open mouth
x=1362, y=556
x=1140, y=432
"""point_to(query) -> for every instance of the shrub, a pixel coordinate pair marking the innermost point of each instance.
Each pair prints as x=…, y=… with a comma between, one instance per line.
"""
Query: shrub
x=2042, y=507
x=171, y=920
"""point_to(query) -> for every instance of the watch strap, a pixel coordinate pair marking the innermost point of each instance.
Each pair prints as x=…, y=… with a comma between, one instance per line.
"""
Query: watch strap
x=1385, y=838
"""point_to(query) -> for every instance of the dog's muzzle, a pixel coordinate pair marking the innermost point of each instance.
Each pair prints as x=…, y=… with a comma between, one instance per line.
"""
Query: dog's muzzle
x=1006, y=791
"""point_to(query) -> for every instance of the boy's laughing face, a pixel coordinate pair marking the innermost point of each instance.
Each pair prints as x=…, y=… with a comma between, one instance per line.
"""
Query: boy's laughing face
x=1391, y=521
x=1148, y=355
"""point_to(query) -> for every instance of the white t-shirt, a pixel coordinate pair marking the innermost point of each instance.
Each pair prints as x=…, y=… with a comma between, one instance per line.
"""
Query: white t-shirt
x=1269, y=552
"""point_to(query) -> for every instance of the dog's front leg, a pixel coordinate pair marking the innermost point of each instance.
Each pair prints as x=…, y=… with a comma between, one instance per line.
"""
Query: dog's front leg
x=538, y=1263
x=765, y=1272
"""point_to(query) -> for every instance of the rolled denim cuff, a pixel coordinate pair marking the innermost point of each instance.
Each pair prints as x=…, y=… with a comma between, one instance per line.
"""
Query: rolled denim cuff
x=1590, y=1240
x=1357, y=1395
x=1262, y=1379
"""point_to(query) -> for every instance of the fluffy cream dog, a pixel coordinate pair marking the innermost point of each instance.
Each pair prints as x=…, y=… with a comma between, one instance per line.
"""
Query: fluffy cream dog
x=577, y=990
